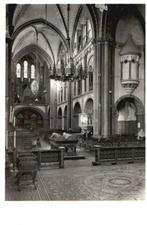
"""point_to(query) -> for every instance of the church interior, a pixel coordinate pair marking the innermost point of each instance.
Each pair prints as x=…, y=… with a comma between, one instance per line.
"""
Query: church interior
x=75, y=102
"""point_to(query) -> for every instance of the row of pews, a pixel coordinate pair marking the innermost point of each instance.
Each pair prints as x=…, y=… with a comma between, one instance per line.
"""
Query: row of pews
x=119, y=148
x=27, y=162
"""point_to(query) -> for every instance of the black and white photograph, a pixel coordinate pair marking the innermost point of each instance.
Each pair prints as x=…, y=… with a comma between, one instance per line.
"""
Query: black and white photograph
x=75, y=102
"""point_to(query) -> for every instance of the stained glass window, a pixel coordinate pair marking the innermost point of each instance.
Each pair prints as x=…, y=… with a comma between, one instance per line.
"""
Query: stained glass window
x=32, y=71
x=18, y=70
x=25, y=71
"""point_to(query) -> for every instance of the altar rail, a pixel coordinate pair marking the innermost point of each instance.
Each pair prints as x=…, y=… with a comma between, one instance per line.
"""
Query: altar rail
x=114, y=154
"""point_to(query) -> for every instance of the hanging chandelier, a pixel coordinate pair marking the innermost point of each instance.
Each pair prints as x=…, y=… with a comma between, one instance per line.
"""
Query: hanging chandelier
x=68, y=73
x=35, y=82
x=66, y=69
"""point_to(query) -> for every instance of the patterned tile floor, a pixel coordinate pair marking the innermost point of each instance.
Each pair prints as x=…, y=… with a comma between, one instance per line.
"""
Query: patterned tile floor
x=79, y=180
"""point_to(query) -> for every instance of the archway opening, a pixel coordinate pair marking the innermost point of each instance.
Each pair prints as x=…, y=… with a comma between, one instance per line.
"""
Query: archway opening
x=127, y=117
x=89, y=111
x=76, y=112
x=59, y=124
x=29, y=119
x=65, y=118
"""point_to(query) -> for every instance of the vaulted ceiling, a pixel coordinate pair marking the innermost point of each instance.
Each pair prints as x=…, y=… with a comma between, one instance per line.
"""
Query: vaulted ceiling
x=46, y=26
x=43, y=25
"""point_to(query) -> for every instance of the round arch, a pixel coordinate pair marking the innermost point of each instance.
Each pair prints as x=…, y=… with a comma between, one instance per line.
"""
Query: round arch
x=88, y=109
x=29, y=118
x=109, y=24
x=65, y=117
x=76, y=112
x=129, y=114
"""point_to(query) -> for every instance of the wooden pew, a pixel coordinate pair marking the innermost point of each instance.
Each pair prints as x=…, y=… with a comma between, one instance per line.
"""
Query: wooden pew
x=47, y=156
x=114, y=154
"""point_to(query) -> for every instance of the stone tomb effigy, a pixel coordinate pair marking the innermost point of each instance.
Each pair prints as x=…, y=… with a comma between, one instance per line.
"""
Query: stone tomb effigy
x=67, y=141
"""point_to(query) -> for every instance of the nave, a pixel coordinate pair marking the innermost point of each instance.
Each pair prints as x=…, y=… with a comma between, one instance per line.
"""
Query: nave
x=75, y=101
x=79, y=180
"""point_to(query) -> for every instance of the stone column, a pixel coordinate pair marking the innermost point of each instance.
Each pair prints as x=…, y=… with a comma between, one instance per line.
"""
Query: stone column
x=8, y=85
x=97, y=90
x=107, y=88
x=69, y=106
x=10, y=95
x=105, y=108
x=103, y=89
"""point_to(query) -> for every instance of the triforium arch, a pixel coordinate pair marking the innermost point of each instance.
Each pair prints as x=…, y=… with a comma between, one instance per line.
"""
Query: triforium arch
x=93, y=20
x=90, y=72
x=129, y=115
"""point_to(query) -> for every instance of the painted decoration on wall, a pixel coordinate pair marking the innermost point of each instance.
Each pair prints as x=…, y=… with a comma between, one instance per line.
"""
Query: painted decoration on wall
x=34, y=87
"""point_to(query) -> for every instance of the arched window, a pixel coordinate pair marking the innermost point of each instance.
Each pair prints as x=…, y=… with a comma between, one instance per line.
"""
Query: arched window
x=90, y=78
x=79, y=87
x=85, y=73
x=20, y=121
x=127, y=120
x=32, y=71
x=25, y=70
x=18, y=70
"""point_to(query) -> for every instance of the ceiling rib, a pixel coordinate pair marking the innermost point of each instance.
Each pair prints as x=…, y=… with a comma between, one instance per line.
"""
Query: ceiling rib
x=20, y=14
x=36, y=21
x=61, y=14
x=47, y=41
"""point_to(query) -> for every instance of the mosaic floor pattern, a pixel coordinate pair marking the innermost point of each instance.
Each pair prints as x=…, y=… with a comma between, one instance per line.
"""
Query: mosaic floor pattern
x=79, y=180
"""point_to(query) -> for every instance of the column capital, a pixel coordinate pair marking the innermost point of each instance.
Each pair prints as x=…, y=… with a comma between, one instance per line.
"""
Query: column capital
x=103, y=41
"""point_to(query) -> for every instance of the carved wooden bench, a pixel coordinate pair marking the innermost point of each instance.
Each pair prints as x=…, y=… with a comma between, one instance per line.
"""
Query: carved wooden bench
x=27, y=167
x=129, y=153
x=47, y=156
